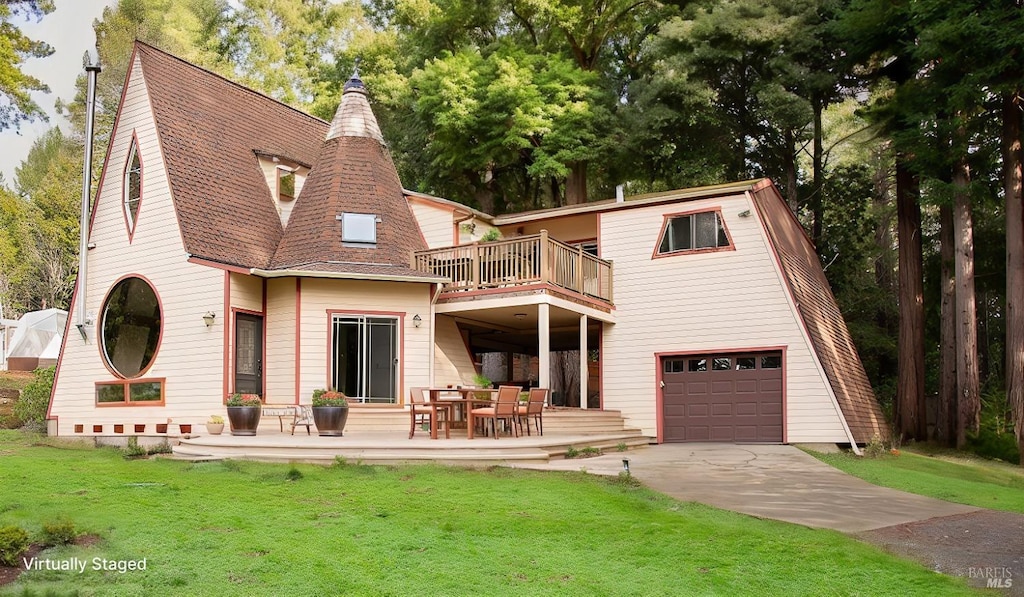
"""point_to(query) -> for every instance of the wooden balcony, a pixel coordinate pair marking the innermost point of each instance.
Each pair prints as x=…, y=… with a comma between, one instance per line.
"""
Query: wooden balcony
x=520, y=261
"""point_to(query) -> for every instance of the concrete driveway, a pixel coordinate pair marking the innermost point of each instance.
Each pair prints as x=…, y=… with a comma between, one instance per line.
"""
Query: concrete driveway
x=767, y=481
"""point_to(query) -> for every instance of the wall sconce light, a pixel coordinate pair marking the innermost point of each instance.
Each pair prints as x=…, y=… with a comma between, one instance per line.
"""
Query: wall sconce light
x=625, y=465
x=209, y=317
x=744, y=214
x=417, y=320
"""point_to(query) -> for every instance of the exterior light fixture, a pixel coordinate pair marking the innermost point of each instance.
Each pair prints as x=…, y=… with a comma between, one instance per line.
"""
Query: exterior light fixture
x=209, y=317
x=625, y=465
x=519, y=315
x=417, y=320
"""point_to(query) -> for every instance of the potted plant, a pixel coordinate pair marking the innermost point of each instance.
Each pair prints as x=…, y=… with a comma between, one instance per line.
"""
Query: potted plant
x=215, y=425
x=330, y=412
x=482, y=381
x=244, y=413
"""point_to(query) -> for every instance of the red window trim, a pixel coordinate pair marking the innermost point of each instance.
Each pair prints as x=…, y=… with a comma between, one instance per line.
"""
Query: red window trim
x=124, y=383
x=657, y=254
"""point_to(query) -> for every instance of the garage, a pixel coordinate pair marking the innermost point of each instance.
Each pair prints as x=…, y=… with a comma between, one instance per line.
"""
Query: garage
x=722, y=397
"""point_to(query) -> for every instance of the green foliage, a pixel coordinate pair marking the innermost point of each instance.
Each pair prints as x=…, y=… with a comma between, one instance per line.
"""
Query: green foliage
x=13, y=543
x=60, y=531
x=293, y=474
x=161, y=448
x=621, y=447
x=35, y=398
x=481, y=381
x=328, y=397
x=17, y=105
x=133, y=449
x=215, y=420
x=492, y=234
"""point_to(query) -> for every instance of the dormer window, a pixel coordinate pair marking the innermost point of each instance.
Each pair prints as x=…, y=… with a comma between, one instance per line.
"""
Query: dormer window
x=285, y=184
x=695, y=231
x=132, y=186
x=359, y=229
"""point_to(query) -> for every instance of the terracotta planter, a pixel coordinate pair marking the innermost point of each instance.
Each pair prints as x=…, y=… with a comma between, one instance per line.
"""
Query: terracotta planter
x=330, y=420
x=185, y=428
x=215, y=428
x=161, y=427
x=244, y=419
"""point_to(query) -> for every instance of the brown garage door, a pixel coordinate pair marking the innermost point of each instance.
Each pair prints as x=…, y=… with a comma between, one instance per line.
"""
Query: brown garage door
x=723, y=398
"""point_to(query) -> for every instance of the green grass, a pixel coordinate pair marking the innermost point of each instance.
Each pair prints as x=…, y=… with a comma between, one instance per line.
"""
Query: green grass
x=245, y=528
x=964, y=480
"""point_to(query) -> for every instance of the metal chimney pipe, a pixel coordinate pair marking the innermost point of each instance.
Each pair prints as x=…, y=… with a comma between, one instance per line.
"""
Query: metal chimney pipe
x=620, y=195
x=91, y=70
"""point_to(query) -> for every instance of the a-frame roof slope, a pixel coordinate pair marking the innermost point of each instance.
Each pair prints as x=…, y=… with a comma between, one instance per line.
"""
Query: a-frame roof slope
x=210, y=130
x=821, y=316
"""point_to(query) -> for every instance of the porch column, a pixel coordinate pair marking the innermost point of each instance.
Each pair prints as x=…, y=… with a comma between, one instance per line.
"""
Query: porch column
x=584, y=371
x=544, y=341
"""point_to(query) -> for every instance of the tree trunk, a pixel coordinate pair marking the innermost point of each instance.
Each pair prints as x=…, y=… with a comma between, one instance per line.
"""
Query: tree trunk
x=968, y=398
x=1012, y=159
x=483, y=191
x=576, y=184
x=790, y=171
x=818, y=177
x=945, y=424
x=910, y=407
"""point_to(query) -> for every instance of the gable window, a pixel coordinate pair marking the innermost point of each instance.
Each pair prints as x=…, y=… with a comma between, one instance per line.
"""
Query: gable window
x=132, y=186
x=285, y=184
x=693, y=231
x=358, y=229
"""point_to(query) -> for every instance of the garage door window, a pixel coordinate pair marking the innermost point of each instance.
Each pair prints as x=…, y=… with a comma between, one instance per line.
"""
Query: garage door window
x=698, y=365
x=722, y=364
x=746, y=363
x=771, y=362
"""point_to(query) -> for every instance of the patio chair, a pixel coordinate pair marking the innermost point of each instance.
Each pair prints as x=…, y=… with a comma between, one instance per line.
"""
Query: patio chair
x=422, y=412
x=534, y=407
x=303, y=416
x=504, y=409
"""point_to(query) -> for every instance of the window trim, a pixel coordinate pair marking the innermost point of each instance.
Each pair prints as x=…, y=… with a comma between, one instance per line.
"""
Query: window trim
x=355, y=217
x=130, y=222
x=657, y=254
x=400, y=317
x=125, y=384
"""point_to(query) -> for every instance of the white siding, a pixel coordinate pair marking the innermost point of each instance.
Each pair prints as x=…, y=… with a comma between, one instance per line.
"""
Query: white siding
x=280, y=338
x=704, y=301
x=189, y=354
x=437, y=223
x=403, y=298
x=452, y=363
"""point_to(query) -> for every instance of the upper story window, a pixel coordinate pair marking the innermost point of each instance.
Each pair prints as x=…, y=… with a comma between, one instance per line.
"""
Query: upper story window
x=285, y=184
x=132, y=186
x=359, y=229
x=692, y=232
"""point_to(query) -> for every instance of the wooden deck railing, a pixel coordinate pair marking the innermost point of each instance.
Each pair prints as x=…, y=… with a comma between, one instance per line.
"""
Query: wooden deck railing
x=518, y=261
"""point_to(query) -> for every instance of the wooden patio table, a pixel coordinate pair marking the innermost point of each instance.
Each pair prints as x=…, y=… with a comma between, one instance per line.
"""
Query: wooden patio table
x=467, y=399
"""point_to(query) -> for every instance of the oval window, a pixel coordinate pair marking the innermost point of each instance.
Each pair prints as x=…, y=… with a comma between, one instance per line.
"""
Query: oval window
x=131, y=327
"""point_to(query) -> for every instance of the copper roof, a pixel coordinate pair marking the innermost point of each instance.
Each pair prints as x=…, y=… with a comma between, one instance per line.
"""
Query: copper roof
x=821, y=317
x=209, y=130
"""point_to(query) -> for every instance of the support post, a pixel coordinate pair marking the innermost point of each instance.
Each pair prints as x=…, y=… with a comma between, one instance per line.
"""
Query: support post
x=544, y=342
x=584, y=371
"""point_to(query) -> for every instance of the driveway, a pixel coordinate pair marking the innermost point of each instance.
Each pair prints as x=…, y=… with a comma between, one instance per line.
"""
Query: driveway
x=767, y=481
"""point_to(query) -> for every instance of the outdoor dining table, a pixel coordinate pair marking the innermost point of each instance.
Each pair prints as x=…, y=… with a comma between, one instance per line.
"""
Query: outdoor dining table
x=468, y=398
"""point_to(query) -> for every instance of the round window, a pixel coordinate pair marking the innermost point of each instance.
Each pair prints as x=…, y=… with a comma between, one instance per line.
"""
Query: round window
x=131, y=327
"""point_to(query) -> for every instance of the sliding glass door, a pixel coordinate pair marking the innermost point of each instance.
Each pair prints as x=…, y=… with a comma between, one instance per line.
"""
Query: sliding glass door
x=364, y=361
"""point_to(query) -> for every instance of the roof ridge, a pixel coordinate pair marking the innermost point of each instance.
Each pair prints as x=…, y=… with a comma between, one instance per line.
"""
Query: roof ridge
x=249, y=90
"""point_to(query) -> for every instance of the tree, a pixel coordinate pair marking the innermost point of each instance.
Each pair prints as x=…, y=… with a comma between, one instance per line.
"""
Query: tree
x=16, y=104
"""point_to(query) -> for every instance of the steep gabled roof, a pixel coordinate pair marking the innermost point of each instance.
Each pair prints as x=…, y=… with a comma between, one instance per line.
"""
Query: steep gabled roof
x=353, y=173
x=210, y=130
x=821, y=316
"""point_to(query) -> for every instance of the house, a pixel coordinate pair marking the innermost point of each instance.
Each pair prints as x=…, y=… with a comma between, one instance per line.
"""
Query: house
x=239, y=245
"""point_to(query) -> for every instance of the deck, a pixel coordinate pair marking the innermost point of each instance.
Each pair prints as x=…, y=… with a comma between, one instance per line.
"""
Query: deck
x=520, y=261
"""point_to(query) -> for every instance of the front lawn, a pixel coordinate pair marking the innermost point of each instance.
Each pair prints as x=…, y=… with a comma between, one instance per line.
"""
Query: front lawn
x=246, y=528
x=964, y=480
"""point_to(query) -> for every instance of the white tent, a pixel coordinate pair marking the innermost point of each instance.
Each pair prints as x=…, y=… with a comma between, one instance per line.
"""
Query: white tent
x=37, y=339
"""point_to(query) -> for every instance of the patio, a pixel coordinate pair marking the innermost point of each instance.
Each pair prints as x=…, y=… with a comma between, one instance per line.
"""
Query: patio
x=382, y=438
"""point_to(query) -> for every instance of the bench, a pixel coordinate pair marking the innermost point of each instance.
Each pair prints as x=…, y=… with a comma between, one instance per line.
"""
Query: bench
x=298, y=414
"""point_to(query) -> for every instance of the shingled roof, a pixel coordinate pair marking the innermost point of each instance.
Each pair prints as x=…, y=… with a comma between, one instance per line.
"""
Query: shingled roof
x=821, y=317
x=353, y=173
x=210, y=129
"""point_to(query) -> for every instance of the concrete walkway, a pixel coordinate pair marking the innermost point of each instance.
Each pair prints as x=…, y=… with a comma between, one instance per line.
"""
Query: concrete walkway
x=767, y=481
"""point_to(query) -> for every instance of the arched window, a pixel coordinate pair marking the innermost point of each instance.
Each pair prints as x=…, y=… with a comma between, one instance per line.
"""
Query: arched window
x=132, y=186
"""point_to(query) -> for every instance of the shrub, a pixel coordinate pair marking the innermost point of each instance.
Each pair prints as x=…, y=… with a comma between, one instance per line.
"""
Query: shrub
x=571, y=452
x=161, y=448
x=13, y=543
x=293, y=474
x=133, y=449
x=59, y=532
x=35, y=398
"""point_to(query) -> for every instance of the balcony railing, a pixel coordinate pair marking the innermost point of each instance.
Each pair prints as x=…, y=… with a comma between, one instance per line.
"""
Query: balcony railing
x=534, y=259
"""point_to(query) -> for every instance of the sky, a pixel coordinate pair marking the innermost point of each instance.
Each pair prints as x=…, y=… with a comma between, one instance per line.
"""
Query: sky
x=68, y=29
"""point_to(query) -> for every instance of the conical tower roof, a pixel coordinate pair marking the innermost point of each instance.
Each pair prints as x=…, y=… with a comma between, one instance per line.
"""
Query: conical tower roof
x=353, y=174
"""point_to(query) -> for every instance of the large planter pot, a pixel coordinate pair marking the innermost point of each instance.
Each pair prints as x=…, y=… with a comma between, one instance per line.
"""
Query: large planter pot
x=244, y=419
x=330, y=420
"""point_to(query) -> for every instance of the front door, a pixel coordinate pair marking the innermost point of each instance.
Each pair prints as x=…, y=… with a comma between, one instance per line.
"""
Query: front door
x=248, y=354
